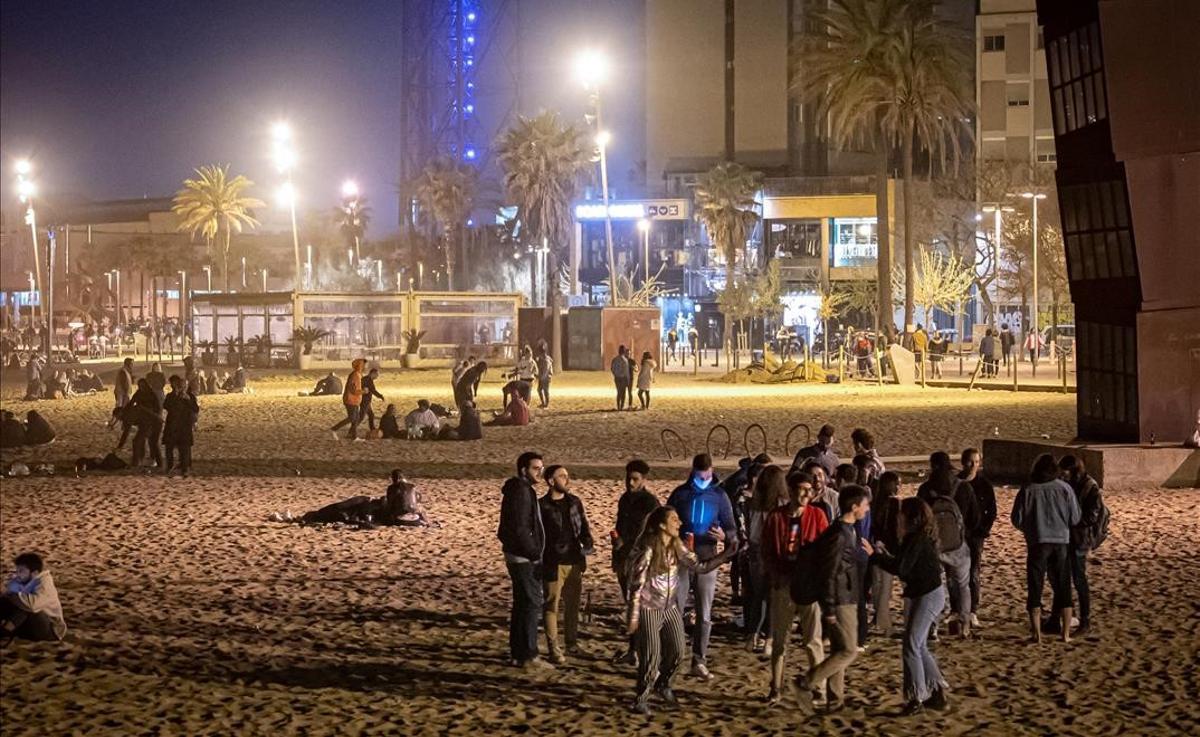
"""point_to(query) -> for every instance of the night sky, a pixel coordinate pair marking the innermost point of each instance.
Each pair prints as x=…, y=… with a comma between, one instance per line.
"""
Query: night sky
x=123, y=99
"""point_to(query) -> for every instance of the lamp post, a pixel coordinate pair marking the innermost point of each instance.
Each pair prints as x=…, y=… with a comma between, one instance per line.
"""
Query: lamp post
x=996, y=208
x=350, y=203
x=1034, y=197
x=208, y=276
x=243, y=272
x=591, y=69
x=644, y=227
x=285, y=161
x=26, y=189
x=308, y=268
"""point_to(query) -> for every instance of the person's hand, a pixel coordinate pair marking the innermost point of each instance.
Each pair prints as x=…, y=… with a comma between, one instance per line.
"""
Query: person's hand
x=631, y=628
x=717, y=532
x=866, y=545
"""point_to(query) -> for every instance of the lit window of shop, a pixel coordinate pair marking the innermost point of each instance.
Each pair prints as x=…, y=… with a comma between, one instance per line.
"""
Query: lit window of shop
x=855, y=242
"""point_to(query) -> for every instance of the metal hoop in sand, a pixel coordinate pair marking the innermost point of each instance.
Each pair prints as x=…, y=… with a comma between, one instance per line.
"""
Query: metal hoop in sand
x=728, y=440
x=787, y=441
x=746, y=439
x=667, y=448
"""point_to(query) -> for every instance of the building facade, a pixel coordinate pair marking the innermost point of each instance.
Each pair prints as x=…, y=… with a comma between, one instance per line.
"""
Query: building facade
x=1012, y=92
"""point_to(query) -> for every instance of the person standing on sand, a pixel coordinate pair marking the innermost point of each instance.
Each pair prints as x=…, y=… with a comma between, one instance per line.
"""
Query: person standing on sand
x=178, y=430
x=645, y=379
x=985, y=502
x=658, y=564
x=954, y=514
x=885, y=511
x=634, y=506
x=1086, y=535
x=352, y=399
x=545, y=372
x=568, y=543
x=523, y=539
x=823, y=492
x=917, y=564
x=123, y=386
x=368, y=391
x=621, y=376
x=704, y=508
x=821, y=451
x=864, y=445
x=836, y=570
x=1045, y=510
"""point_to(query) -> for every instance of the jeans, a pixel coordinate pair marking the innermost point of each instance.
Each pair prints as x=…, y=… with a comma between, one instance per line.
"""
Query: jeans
x=921, y=673
x=704, y=588
x=754, y=595
x=957, y=564
x=622, y=389
x=566, y=588
x=1042, y=559
x=644, y=398
x=544, y=391
x=185, y=457
x=659, y=642
x=976, y=546
x=352, y=419
x=783, y=613
x=365, y=412
x=26, y=625
x=148, y=438
x=526, y=606
x=843, y=639
x=881, y=594
x=1079, y=578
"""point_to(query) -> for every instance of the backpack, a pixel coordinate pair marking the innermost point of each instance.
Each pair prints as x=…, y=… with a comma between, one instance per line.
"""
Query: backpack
x=1100, y=530
x=947, y=517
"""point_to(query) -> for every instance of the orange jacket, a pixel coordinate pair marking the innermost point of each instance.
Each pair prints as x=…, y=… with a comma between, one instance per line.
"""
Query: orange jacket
x=352, y=395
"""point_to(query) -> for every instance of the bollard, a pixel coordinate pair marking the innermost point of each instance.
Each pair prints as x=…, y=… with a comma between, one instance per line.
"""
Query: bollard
x=841, y=364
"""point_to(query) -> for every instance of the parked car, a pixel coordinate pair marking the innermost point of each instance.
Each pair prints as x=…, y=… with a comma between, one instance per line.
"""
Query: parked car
x=1064, y=339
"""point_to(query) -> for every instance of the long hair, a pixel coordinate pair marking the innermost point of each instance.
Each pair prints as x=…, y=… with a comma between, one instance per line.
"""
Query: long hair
x=917, y=518
x=1044, y=469
x=770, y=489
x=664, y=556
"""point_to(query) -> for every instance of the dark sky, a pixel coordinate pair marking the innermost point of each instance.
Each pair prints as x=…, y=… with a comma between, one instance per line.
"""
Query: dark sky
x=124, y=98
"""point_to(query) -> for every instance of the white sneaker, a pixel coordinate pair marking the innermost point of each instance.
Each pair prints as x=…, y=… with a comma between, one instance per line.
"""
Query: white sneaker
x=1074, y=622
x=975, y=622
x=334, y=434
x=700, y=670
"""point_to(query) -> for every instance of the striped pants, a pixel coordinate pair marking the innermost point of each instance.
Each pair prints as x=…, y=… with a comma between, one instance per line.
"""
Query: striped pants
x=660, y=646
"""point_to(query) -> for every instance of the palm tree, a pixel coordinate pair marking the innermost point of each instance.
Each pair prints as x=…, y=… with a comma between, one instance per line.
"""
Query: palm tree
x=724, y=198
x=885, y=72
x=351, y=219
x=546, y=163
x=446, y=188
x=213, y=205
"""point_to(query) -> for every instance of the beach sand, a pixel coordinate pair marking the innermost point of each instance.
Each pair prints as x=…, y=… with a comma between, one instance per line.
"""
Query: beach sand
x=190, y=613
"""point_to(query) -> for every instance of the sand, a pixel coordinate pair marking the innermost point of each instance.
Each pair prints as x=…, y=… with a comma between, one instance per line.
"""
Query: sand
x=190, y=613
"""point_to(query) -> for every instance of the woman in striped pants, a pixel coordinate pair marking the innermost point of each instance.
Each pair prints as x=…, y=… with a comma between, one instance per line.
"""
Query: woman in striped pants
x=652, y=615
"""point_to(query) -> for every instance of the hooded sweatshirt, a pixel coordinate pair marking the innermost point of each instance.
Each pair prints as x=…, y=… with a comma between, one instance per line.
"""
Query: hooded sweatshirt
x=700, y=506
x=352, y=396
x=39, y=596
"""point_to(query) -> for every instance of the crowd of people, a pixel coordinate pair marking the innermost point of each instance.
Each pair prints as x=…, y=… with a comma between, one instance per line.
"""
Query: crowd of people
x=818, y=543
x=144, y=409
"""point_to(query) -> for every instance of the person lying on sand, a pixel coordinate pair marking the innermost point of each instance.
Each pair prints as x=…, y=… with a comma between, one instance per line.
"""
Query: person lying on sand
x=401, y=506
x=30, y=608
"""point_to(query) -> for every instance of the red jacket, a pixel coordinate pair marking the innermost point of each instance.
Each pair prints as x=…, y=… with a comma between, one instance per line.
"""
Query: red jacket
x=785, y=533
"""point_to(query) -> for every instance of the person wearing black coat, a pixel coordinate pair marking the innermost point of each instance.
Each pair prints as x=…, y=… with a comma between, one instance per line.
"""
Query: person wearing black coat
x=985, y=502
x=144, y=412
x=12, y=431
x=568, y=543
x=179, y=429
x=523, y=539
x=38, y=430
x=468, y=384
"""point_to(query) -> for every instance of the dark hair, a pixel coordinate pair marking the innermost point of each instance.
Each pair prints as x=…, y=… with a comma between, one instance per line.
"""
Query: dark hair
x=918, y=517
x=813, y=463
x=943, y=481
x=525, y=459
x=825, y=431
x=549, y=471
x=423, y=403
x=1044, y=469
x=637, y=465
x=989, y=331
x=795, y=478
x=886, y=481
x=850, y=496
x=32, y=561
x=769, y=489
x=1071, y=463
x=622, y=350
x=397, y=474
x=939, y=459
x=863, y=437
x=966, y=455
x=845, y=473
x=702, y=462
x=646, y=356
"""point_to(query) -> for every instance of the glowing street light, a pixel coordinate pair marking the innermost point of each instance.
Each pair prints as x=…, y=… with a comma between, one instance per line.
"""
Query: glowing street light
x=26, y=189
x=591, y=69
x=286, y=195
x=350, y=189
x=285, y=160
x=644, y=226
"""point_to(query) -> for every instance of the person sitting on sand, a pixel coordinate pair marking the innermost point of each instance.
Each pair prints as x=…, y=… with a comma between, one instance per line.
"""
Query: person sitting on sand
x=235, y=384
x=30, y=608
x=389, y=425
x=211, y=382
x=12, y=431
x=329, y=386
x=401, y=506
x=469, y=425
x=88, y=382
x=515, y=414
x=422, y=423
x=38, y=430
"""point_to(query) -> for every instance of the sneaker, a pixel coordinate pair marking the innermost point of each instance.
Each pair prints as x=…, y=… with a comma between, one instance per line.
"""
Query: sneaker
x=773, y=698
x=575, y=650
x=975, y=621
x=767, y=647
x=668, y=697
x=641, y=707
x=937, y=701
x=537, y=664
x=700, y=670
x=625, y=657
x=556, y=657
x=335, y=435
x=1083, y=629
x=912, y=708
x=862, y=649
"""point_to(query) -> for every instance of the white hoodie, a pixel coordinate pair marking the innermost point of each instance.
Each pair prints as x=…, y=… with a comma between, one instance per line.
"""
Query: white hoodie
x=40, y=596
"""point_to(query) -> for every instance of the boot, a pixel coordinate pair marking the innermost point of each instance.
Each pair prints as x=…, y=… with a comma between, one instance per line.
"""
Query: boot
x=1035, y=625
x=1065, y=616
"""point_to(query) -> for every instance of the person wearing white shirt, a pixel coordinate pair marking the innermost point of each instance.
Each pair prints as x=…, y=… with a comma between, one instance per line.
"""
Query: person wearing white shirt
x=422, y=422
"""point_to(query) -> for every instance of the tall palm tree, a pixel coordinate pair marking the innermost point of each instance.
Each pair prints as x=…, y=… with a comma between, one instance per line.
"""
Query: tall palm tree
x=352, y=218
x=886, y=72
x=724, y=198
x=213, y=205
x=546, y=163
x=446, y=188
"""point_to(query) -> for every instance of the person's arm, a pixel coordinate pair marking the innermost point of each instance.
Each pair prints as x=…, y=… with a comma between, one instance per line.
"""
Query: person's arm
x=33, y=598
x=987, y=508
x=586, y=543
x=375, y=392
x=728, y=523
x=828, y=558
x=964, y=496
x=1089, y=509
x=126, y=427
x=1072, y=507
x=639, y=570
x=1018, y=510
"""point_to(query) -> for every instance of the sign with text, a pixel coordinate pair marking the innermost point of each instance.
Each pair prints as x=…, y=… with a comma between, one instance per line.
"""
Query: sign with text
x=640, y=210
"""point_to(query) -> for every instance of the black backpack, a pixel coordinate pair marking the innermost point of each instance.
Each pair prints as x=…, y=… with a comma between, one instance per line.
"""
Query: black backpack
x=947, y=517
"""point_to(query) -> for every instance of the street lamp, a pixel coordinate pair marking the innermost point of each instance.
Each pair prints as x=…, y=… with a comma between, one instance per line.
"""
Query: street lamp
x=644, y=226
x=995, y=208
x=591, y=70
x=26, y=189
x=350, y=203
x=285, y=161
x=1034, y=197
x=243, y=272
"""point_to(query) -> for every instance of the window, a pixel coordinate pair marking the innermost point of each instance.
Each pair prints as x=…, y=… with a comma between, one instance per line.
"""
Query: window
x=993, y=43
x=1076, y=69
x=796, y=239
x=1095, y=218
x=1107, y=366
x=855, y=242
x=1018, y=95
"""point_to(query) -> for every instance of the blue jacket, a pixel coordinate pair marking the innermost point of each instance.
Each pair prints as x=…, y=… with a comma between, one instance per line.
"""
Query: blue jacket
x=1046, y=512
x=699, y=510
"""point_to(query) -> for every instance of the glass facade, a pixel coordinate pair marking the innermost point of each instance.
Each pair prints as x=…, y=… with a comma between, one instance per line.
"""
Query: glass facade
x=1107, y=366
x=1076, y=71
x=1097, y=231
x=795, y=239
x=855, y=242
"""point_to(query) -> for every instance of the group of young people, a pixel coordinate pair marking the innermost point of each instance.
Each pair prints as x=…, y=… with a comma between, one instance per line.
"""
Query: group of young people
x=160, y=418
x=626, y=373
x=818, y=544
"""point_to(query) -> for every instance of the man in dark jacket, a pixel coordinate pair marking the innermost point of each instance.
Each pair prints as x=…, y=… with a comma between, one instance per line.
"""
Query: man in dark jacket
x=702, y=505
x=821, y=451
x=634, y=506
x=985, y=502
x=523, y=538
x=178, y=430
x=937, y=492
x=568, y=543
x=837, y=569
x=1007, y=339
x=740, y=487
x=369, y=390
x=1083, y=535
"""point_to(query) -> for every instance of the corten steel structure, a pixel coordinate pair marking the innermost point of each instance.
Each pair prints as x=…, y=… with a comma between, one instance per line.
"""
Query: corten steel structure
x=1125, y=95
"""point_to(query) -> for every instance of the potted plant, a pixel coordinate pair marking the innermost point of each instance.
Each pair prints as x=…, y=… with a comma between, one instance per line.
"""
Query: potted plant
x=233, y=351
x=208, y=353
x=412, y=348
x=306, y=337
